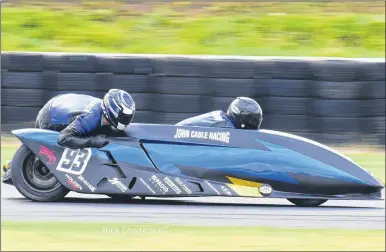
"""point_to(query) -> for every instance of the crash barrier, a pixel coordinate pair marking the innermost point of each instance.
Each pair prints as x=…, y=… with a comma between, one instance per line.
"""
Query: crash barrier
x=328, y=100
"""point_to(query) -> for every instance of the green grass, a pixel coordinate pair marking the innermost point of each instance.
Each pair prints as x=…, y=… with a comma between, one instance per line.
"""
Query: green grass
x=7, y=153
x=373, y=162
x=125, y=236
x=282, y=29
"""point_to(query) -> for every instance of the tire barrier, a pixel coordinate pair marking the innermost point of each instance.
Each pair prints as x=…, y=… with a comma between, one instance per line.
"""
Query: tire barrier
x=287, y=123
x=329, y=100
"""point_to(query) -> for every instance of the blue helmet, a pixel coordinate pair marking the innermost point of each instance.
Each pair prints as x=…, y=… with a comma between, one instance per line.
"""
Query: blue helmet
x=119, y=108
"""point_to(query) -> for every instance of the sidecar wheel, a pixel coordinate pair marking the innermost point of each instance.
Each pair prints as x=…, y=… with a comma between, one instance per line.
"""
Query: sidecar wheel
x=307, y=202
x=33, y=180
x=120, y=197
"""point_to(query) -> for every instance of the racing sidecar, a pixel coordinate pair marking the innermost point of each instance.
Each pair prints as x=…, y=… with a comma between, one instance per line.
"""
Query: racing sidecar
x=173, y=161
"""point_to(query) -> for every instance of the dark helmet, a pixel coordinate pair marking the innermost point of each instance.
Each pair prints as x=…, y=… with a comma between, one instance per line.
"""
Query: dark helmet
x=246, y=113
x=119, y=108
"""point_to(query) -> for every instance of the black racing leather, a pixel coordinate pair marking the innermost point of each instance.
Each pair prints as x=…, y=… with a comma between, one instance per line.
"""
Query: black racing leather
x=70, y=138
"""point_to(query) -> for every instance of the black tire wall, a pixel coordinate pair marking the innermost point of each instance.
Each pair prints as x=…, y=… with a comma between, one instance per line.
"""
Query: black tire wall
x=331, y=101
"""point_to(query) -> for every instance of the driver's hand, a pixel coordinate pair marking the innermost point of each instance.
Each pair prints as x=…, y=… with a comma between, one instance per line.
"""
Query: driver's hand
x=99, y=141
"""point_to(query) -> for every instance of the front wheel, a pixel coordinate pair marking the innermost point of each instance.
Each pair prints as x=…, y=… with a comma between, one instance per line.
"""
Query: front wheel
x=307, y=202
x=33, y=179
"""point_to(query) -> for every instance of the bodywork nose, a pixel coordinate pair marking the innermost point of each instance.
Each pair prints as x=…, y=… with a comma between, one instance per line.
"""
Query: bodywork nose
x=320, y=167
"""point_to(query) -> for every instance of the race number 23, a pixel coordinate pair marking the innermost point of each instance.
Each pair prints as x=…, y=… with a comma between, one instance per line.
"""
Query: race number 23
x=74, y=161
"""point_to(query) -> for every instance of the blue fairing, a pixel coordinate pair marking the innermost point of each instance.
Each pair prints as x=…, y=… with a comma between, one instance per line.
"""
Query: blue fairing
x=42, y=136
x=286, y=162
x=275, y=164
x=128, y=154
x=122, y=153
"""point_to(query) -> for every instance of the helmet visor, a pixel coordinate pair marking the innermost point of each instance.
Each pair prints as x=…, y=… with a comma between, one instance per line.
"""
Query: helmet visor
x=253, y=123
x=124, y=120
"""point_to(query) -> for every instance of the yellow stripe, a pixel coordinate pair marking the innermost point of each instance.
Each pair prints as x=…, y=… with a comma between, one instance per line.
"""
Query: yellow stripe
x=243, y=182
x=245, y=187
x=245, y=190
x=6, y=166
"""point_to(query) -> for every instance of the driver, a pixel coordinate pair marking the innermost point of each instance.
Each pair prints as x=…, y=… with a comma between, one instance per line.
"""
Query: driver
x=242, y=113
x=83, y=120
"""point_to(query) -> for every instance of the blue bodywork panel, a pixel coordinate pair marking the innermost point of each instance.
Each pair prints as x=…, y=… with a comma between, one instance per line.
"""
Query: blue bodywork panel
x=254, y=164
x=288, y=163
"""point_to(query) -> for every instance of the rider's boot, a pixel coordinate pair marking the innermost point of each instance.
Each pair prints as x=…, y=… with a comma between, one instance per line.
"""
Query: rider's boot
x=6, y=166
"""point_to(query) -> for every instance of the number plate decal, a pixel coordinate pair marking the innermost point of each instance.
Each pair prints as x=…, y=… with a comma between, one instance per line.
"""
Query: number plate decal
x=74, y=161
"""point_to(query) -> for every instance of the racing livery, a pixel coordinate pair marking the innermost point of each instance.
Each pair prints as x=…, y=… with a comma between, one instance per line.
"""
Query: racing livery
x=189, y=161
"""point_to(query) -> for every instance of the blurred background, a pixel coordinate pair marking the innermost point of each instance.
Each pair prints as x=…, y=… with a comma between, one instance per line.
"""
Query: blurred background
x=327, y=28
x=335, y=102
x=339, y=101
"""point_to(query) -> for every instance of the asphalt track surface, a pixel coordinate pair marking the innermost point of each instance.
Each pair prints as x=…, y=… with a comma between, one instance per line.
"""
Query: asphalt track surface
x=211, y=211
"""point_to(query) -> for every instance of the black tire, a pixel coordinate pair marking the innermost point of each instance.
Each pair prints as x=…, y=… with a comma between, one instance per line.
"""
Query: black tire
x=181, y=85
x=24, y=97
x=335, y=139
x=335, y=70
x=337, y=90
x=181, y=67
x=22, y=62
x=232, y=68
x=120, y=197
x=286, y=105
x=15, y=80
x=27, y=170
x=72, y=81
x=124, y=64
x=372, y=71
x=70, y=63
x=335, y=125
x=167, y=103
x=337, y=108
x=292, y=69
x=283, y=88
x=232, y=88
x=287, y=123
x=172, y=118
x=372, y=125
x=307, y=202
x=373, y=90
x=10, y=114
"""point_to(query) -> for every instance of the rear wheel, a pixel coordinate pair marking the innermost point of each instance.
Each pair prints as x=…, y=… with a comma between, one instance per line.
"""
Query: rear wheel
x=307, y=202
x=33, y=179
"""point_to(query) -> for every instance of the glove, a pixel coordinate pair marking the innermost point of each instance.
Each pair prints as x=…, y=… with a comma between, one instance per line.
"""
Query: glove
x=99, y=141
x=69, y=138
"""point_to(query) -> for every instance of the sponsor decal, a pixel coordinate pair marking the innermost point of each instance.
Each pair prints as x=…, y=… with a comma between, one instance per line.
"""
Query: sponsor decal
x=172, y=185
x=215, y=136
x=184, y=186
x=75, y=185
x=48, y=153
x=211, y=186
x=118, y=183
x=265, y=189
x=226, y=190
x=74, y=161
x=148, y=187
x=157, y=182
x=81, y=178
